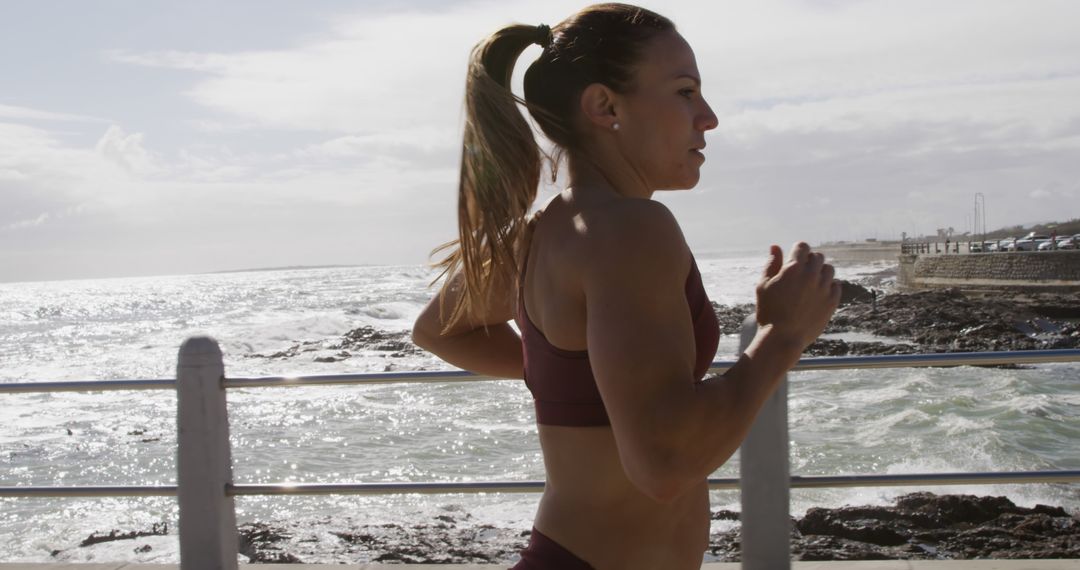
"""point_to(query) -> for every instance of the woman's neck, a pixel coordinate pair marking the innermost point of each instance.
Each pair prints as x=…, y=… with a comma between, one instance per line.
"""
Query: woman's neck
x=615, y=175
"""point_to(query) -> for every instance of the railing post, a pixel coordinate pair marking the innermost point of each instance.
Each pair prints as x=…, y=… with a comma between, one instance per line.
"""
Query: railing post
x=208, y=535
x=765, y=478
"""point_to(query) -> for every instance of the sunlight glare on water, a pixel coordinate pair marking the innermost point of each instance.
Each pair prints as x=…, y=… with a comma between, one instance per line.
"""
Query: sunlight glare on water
x=881, y=421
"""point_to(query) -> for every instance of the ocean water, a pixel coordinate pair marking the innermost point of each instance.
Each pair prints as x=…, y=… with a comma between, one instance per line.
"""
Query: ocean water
x=880, y=421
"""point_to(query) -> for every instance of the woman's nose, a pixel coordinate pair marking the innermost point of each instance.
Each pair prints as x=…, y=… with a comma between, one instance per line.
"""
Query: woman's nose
x=706, y=120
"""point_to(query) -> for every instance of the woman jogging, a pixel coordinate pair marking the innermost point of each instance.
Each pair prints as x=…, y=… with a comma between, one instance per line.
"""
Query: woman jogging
x=616, y=330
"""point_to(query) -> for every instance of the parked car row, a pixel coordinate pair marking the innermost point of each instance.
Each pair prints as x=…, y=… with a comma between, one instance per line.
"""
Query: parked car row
x=1030, y=242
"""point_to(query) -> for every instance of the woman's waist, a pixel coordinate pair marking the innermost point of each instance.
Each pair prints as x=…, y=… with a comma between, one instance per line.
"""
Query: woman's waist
x=584, y=468
x=619, y=499
x=627, y=532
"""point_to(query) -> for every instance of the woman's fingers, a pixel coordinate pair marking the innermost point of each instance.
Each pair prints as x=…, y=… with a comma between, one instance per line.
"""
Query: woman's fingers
x=799, y=252
x=801, y=295
x=776, y=261
x=827, y=274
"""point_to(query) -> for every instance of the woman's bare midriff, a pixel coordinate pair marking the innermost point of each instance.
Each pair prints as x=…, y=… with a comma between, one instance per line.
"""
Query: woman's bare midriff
x=591, y=507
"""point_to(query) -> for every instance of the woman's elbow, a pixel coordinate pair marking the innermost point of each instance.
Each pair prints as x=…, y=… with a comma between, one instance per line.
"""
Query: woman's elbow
x=422, y=336
x=660, y=478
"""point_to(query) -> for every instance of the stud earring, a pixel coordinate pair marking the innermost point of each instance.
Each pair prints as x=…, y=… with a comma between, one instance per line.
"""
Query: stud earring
x=615, y=126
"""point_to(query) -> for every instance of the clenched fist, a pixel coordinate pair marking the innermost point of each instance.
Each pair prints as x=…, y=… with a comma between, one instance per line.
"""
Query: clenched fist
x=797, y=297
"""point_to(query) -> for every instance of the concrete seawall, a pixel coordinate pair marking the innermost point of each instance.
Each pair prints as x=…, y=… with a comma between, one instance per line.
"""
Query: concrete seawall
x=1031, y=271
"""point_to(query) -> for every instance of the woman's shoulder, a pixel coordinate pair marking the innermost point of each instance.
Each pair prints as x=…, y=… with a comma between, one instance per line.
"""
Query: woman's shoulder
x=635, y=242
x=638, y=227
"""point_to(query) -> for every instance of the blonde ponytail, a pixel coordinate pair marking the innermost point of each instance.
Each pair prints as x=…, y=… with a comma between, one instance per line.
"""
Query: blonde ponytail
x=500, y=172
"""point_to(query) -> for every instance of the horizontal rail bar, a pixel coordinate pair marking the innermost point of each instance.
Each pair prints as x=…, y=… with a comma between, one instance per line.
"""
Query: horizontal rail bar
x=439, y=376
x=934, y=479
x=87, y=386
x=938, y=359
x=384, y=488
x=91, y=491
x=419, y=377
x=810, y=363
x=715, y=484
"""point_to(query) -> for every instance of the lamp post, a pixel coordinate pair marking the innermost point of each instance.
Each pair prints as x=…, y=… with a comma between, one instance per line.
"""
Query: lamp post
x=980, y=208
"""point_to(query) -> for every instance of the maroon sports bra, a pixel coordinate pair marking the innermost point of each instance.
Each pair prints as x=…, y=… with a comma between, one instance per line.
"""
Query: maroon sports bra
x=561, y=381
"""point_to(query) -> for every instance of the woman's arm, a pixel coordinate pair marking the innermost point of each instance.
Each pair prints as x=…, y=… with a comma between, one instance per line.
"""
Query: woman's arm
x=670, y=431
x=482, y=341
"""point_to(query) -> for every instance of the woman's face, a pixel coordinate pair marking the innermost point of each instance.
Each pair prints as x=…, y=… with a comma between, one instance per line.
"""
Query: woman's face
x=662, y=121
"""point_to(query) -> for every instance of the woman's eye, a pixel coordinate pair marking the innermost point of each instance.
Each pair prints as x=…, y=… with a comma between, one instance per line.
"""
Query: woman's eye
x=688, y=92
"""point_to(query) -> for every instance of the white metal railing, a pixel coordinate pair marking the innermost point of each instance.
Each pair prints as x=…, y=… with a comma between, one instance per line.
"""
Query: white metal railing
x=208, y=536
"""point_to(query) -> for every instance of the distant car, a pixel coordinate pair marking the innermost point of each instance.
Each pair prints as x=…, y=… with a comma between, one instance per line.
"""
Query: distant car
x=982, y=246
x=1007, y=244
x=1063, y=242
x=1030, y=243
x=1069, y=243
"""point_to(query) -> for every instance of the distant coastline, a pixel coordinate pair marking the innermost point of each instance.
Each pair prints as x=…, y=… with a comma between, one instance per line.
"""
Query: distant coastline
x=284, y=268
x=859, y=252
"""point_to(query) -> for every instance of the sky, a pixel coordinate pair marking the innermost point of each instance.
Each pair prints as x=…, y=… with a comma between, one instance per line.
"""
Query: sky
x=145, y=138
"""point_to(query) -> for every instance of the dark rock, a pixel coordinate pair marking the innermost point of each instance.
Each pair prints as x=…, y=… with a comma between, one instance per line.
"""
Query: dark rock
x=952, y=509
x=868, y=529
x=940, y=320
x=839, y=347
x=928, y=526
x=834, y=548
x=919, y=526
x=854, y=293
x=366, y=338
x=157, y=529
x=946, y=320
x=259, y=542
x=370, y=338
x=1048, y=510
x=731, y=317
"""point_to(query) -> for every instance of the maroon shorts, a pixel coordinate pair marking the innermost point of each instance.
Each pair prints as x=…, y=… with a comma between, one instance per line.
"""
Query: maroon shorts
x=542, y=553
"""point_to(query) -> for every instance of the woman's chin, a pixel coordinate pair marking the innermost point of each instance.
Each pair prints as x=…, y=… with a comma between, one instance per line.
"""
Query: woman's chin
x=691, y=180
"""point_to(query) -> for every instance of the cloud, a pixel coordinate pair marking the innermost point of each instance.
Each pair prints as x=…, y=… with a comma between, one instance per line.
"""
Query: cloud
x=837, y=120
x=25, y=113
x=30, y=223
x=422, y=138
x=127, y=151
x=11, y=174
x=790, y=51
x=393, y=71
x=1041, y=193
x=49, y=180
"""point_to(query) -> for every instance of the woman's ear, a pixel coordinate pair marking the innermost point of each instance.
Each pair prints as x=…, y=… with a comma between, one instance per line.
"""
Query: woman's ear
x=598, y=106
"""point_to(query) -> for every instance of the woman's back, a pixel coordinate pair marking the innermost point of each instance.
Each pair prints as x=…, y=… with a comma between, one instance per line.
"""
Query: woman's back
x=590, y=506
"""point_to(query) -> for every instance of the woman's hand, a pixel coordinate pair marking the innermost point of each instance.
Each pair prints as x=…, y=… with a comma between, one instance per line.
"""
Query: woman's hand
x=797, y=298
x=482, y=341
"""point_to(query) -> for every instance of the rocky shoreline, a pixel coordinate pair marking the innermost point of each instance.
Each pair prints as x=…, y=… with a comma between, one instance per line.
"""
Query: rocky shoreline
x=940, y=320
x=918, y=526
x=931, y=321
